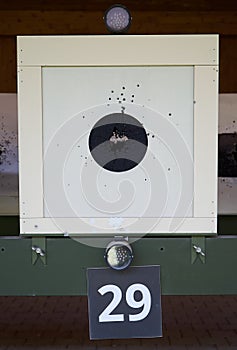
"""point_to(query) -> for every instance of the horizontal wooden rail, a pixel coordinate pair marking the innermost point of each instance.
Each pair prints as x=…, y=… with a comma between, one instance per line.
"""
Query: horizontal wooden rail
x=144, y=22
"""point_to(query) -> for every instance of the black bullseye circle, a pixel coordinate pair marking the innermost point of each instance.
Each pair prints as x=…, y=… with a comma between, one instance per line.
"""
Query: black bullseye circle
x=118, y=142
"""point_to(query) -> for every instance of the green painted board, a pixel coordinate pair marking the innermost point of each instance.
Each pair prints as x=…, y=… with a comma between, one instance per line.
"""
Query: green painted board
x=67, y=261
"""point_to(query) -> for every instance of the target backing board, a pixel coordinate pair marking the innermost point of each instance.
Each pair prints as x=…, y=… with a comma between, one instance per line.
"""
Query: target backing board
x=114, y=143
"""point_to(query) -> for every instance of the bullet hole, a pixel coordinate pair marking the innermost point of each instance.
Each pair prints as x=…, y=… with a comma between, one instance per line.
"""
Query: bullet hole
x=168, y=169
x=36, y=226
x=78, y=146
x=132, y=101
x=110, y=98
x=120, y=101
x=133, y=96
x=112, y=91
x=145, y=179
x=123, y=87
x=83, y=117
x=124, y=99
x=105, y=185
x=233, y=121
x=3, y=249
x=117, y=98
x=153, y=136
x=162, y=249
x=121, y=94
x=148, y=134
x=170, y=114
x=85, y=157
x=138, y=85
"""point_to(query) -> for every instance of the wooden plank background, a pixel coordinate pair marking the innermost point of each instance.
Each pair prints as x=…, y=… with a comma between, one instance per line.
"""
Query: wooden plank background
x=43, y=17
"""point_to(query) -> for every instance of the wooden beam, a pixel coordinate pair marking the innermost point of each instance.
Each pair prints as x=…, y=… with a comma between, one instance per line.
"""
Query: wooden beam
x=133, y=5
x=228, y=64
x=148, y=22
x=8, y=70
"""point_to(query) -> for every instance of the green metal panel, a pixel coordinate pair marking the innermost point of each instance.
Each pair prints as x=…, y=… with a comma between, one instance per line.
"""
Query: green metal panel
x=67, y=261
x=227, y=224
x=9, y=225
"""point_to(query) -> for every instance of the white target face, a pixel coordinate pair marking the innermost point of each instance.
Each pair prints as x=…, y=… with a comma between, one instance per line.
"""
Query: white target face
x=118, y=142
x=117, y=135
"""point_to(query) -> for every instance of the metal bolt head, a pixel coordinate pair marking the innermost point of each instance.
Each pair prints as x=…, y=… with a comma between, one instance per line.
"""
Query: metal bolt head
x=38, y=250
x=198, y=250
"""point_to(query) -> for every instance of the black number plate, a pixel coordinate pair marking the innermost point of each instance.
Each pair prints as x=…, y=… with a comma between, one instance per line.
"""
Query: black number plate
x=124, y=304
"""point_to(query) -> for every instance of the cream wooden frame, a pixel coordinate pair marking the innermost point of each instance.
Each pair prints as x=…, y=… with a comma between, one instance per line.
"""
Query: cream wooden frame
x=200, y=51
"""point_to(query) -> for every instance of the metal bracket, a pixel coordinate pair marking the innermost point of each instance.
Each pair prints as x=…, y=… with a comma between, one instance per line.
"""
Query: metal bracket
x=120, y=238
x=198, y=249
x=38, y=249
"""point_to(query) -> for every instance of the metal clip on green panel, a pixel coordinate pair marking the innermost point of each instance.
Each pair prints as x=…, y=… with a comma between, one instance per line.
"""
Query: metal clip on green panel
x=198, y=249
x=38, y=249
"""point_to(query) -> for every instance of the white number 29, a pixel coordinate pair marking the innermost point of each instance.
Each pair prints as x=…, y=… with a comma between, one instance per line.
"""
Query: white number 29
x=145, y=301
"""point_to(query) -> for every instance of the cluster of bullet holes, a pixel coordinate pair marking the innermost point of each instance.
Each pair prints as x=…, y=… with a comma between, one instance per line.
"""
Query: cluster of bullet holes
x=7, y=140
x=148, y=134
x=113, y=142
x=227, y=182
x=3, y=153
x=8, y=154
x=122, y=96
x=227, y=160
x=119, y=97
x=231, y=128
